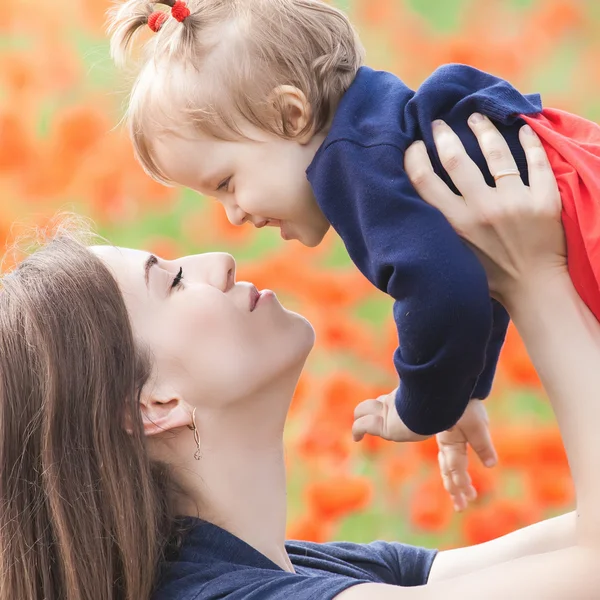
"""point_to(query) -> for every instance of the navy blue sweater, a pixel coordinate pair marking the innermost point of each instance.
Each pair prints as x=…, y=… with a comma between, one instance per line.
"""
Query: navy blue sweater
x=450, y=331
x=213, y=564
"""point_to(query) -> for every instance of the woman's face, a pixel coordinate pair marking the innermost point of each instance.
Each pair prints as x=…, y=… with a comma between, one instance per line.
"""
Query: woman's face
x=214, y=341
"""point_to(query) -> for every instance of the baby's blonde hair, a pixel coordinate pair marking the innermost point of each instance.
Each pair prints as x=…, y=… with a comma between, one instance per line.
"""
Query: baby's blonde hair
x=225, y=60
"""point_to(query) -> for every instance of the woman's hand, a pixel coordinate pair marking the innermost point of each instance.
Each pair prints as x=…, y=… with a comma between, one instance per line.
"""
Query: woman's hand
x=515, y=230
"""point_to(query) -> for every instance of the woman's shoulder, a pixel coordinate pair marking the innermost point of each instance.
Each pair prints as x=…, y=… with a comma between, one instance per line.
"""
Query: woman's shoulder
x=212, y=563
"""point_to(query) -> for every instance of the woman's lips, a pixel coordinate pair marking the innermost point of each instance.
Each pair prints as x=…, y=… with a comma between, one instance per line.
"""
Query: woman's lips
x=254, y=297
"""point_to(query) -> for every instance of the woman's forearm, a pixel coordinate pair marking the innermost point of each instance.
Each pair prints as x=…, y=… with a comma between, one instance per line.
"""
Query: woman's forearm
x=546, y=536
x=563, y=341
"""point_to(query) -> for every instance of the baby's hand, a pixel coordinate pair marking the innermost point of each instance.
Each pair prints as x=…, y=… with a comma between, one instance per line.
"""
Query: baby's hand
x=380, y=417
x=471, y=429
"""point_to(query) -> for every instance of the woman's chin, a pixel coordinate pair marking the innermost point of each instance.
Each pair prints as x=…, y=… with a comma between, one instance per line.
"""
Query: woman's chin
x=308, y=334
x=298, y=346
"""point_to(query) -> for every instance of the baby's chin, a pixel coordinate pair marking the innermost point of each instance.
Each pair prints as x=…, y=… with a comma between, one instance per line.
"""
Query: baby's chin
x=312, y=237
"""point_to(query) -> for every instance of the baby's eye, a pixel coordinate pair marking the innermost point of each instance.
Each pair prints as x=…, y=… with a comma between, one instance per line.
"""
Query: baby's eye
x=224, y=185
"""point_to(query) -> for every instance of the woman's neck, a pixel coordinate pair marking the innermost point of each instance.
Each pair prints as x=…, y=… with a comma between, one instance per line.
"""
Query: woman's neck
x=239, y=483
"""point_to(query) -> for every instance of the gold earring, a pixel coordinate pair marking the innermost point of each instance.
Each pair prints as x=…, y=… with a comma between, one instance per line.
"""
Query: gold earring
x=193, y=427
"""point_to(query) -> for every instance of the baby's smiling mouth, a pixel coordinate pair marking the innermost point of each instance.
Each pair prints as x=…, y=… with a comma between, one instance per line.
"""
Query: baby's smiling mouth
x=274, y=223
x=265, y=223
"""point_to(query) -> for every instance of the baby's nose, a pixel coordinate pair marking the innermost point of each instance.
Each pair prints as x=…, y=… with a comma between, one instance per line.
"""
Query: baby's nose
x=236, y=216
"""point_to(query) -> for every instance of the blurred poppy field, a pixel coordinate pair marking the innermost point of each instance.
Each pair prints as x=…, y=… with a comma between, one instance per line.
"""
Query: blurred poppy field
x=61, y=147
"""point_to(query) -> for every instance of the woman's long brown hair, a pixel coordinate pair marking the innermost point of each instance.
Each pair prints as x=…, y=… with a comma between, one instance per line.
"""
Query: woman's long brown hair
x=83, y=511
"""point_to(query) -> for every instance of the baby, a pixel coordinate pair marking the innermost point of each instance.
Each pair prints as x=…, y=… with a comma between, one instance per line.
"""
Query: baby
x=267, y=106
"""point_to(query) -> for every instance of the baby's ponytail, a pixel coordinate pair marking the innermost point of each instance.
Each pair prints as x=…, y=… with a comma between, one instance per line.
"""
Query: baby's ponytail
x=128, y=18
x=213, y=65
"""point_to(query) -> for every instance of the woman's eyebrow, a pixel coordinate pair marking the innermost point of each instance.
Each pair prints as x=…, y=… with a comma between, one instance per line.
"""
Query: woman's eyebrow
x=150, y=262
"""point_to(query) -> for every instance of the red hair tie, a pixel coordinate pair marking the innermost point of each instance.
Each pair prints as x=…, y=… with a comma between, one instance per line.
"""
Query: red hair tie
x=179, y=11
x=156, y=20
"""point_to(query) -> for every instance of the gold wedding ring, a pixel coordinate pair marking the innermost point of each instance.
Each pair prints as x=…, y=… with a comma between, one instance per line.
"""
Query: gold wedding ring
x=506, y=173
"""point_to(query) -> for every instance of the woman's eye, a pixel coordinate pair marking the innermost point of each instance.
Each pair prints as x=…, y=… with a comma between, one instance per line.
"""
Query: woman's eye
x=224, y=185
x=178, y=279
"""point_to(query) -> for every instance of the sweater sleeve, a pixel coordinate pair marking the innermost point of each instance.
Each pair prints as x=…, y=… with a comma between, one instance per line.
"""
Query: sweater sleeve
x=409, y=250
x=452, y=93
x=500, y=320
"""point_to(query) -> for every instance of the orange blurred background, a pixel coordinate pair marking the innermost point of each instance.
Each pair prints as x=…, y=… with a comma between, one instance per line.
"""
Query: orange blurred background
x=61, y=148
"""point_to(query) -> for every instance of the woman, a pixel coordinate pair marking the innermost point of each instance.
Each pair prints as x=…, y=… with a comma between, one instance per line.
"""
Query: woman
x=143, y=404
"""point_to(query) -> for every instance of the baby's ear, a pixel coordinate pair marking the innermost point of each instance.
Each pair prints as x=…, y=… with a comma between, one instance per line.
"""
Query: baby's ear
x=294, y=111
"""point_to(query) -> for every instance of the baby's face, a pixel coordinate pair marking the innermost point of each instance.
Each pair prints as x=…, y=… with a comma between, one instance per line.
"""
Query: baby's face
x=260, y=180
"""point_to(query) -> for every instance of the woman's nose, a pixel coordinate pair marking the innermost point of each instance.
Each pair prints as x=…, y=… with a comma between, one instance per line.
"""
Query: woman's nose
x=229, y=269
x=213, y=268
x=222, y=272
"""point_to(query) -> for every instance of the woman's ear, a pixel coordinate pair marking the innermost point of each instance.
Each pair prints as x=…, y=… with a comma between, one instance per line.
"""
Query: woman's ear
x=162, y=410
x=295, y=110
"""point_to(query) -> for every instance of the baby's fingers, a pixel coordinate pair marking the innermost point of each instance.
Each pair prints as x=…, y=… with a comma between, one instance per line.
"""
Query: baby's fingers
x=456, y=463
x=459, y=500
x=368, y=418
x=476, y=431
x=480, y=439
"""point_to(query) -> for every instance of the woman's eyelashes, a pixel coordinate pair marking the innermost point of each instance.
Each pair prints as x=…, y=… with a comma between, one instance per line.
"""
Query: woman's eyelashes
x=177, y=280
